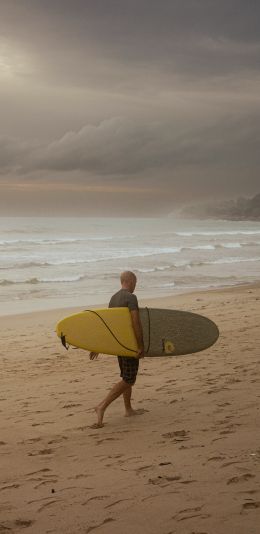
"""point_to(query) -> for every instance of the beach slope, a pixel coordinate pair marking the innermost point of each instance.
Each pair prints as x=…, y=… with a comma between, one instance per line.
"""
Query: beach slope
x=188, y=465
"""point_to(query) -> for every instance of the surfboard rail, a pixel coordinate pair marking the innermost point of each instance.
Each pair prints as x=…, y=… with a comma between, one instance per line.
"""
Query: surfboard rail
x=110, y=331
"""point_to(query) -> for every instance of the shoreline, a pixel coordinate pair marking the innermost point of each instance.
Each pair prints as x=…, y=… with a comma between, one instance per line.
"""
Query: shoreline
x=143, y=301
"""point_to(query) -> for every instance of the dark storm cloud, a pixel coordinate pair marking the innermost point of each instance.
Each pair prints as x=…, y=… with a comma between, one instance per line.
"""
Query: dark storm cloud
x=122, y=147
x=132, y=90
x=13, y=153
x=192, y=38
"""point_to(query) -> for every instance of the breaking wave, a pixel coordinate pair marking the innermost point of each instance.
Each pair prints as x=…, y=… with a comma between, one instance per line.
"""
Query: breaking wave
x=35, y=280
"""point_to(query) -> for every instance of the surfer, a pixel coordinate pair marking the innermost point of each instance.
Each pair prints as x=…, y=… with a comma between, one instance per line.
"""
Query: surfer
x=128, y=366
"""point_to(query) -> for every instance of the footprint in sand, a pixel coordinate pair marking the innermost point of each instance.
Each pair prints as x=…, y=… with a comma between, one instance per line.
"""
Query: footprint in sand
x=44, y=470
x=47, y=504
x=30, y=440
x=142, y=468
x=9, y=526
x=163, y=480
x=42, y=452
x=117, y=502
x=99, y=441
x=226, y=432
x=71, y=405
x=242, y=478
x=178, y=435
x=46, y=482
x=44, y=423
x=10, y=487
x=95, y=498
x=107, y=520
x=216, y=458
x=57, y=440
x=252, y=505
x=190, y=513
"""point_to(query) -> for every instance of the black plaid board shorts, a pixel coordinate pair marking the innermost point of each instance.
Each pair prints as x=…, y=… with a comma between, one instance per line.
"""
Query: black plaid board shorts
x=129, y=369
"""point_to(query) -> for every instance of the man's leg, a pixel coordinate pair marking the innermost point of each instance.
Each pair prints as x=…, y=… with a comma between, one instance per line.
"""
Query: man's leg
x=127, y=400
x=118, y=389
x=129, y=369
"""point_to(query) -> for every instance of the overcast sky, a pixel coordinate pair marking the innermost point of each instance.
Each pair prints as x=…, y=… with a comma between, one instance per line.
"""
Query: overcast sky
x=127, y=106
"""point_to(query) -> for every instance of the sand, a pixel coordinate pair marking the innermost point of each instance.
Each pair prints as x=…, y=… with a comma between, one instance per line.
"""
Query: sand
x=189, y=464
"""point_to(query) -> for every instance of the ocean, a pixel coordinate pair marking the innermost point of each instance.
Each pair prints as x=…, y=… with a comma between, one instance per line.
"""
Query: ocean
x=48, y=263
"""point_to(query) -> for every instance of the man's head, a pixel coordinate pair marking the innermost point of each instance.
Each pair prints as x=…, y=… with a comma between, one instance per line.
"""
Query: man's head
x=128, y=281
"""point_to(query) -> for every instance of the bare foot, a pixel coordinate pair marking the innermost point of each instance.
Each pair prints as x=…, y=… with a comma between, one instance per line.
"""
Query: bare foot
x=96, y=425
x=130, y=412
x=100, y=414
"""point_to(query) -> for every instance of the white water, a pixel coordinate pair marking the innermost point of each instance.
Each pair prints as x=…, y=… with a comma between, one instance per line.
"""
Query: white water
x=56, y=262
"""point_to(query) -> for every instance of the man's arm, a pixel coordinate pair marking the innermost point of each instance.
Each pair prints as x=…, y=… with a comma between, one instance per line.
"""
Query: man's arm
x=138, y=330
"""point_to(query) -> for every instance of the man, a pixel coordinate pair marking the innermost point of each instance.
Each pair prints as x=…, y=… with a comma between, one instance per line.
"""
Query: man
x=128, y=366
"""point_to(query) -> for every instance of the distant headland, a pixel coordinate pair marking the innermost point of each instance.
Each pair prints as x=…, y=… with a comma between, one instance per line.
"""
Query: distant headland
x=241, y=209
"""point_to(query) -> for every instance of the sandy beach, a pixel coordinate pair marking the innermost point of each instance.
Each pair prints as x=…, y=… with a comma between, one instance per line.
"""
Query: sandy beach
x=188, y=465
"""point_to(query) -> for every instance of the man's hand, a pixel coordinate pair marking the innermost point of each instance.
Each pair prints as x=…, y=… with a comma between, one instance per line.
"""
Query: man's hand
x=93, y=355
x=140, y=353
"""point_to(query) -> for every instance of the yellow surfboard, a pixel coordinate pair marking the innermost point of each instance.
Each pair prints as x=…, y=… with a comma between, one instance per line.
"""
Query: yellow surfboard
x=107, y=330
x=165, y=332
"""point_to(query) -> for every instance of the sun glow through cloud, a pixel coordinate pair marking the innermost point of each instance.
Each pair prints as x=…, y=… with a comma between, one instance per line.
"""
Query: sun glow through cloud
x=148, y=101
x=13, y=63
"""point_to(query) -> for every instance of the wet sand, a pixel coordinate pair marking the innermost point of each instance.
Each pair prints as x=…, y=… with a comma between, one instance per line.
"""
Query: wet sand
x=188, y=465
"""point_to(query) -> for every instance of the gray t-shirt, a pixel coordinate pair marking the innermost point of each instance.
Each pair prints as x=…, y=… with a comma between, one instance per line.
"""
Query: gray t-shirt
x=124, y=299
